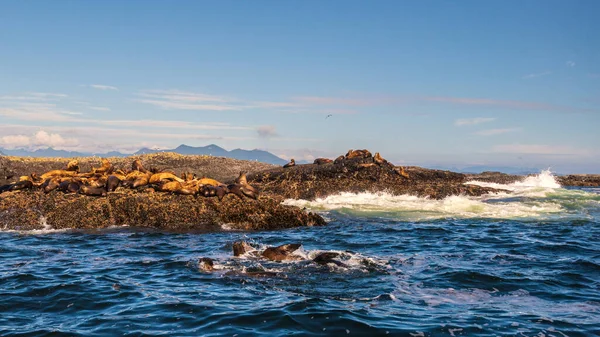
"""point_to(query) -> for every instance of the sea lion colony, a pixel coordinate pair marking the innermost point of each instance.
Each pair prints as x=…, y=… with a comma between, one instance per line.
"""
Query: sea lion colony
x=100, y=180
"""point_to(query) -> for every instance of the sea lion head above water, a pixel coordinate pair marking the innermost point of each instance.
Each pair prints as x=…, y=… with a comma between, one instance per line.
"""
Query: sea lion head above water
x=206, y=264
x=241, y=248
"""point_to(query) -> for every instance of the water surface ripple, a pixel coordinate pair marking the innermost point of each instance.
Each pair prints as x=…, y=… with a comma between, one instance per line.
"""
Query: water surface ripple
x=442, y=277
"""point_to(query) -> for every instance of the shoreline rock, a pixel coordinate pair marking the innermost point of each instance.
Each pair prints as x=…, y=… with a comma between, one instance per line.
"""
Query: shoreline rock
x=143, y=207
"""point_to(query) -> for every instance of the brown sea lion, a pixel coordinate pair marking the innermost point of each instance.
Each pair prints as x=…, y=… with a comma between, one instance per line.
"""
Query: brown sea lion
x=322, y=161
x=112, y=182
x=241, y=191
x=378, y=159
x=106, y=167
x=328, y=257
x=206, y=264
x=209, y=191
x=188, y=176
x=282, y=253
x=141, y=181
x=247, y=189
x=358, y=154
x=290, y=164
x=137, y=166
x=73, y=165
x=50, y=185
x=211, y=182
x=339, y=159
x=92, y=191
x=241, y=248
x=97, y=181
x=57, y=173
x=400, y=170
x=21, y=185
x=157, y=177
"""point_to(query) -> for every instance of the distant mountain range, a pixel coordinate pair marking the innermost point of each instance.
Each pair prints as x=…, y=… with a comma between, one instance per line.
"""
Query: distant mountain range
x=211, y=150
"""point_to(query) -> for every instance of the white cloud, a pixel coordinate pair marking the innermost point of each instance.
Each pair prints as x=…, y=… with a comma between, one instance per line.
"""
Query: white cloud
x=530, y=76
x=570, y=64
x=103, y=87
x=492, y=132
x=40, y=139
x=266, y=131
x=473, y=121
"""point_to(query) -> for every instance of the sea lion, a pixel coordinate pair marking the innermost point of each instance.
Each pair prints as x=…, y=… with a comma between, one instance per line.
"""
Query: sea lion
x=241, y=248
x=247, y=189
x=209, y=191
x=208, y=181
x=400, y=170
x=141, y=181
x=73, y=165
x=106, y=167
x=322, y=161
x=379, y=160
x=137, y=166
x=239, y=191
x=21, y=185
x=58, y=173
x=50, y=185
x=157, y=177
x=281, y=253
x=328, y=257
x=92, y=191
x=290, y=164
x=358, y=154
x=339, y=159
x=73, y=187
x=97, y=181
x=206, y=264
x=188, y=176
x=112, y=182
x=5, y=188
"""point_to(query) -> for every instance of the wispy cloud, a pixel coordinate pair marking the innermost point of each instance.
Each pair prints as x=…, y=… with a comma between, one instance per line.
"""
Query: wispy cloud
x=266, y=131
x=493, y=132
x=473, y=121
x=530, y=76
x=183, y=100
x=103, y=87
x=570, y=64
x=99, y=108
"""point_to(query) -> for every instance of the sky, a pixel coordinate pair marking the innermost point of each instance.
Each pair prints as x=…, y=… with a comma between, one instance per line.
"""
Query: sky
x=430, y=83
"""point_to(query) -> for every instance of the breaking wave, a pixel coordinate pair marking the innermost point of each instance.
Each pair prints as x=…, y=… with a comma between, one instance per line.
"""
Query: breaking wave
x=538, y=197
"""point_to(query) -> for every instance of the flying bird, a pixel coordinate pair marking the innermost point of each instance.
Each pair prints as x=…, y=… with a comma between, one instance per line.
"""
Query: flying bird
x=328, y=116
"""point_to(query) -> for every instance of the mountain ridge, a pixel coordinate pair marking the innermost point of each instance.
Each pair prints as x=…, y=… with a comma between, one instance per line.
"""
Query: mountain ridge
x=211, y=150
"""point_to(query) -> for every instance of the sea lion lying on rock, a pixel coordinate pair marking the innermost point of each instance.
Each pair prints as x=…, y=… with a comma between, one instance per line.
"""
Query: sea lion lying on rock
x=322, y=161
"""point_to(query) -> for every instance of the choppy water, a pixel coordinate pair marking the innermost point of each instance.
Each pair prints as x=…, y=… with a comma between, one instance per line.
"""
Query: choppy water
x=525, y=264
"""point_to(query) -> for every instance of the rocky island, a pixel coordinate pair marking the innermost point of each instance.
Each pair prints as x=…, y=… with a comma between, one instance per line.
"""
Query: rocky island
x=202, y=193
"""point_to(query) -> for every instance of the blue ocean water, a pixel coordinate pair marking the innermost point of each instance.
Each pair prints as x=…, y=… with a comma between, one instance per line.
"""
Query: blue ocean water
x=525, y=263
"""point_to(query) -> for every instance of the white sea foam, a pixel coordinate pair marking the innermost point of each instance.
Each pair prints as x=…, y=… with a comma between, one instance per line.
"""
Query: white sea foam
x=536, y=197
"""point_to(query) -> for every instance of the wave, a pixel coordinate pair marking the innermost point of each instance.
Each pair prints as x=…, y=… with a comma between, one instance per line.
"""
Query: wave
x=537, y=198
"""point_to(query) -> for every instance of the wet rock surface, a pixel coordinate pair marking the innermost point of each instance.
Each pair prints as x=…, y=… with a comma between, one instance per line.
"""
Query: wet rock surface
x=357, y=175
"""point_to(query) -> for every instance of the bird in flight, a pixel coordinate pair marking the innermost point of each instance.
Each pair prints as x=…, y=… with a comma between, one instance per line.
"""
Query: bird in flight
x=328, y=116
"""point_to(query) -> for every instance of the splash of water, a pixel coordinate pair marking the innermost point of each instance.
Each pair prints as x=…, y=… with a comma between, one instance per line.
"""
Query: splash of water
x=538, y=197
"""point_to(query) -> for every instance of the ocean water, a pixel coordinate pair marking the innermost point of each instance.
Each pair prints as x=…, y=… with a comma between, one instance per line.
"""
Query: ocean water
x=525, y=263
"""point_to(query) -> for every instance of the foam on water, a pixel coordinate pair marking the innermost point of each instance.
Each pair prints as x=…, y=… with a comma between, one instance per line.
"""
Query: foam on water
x=537, y=197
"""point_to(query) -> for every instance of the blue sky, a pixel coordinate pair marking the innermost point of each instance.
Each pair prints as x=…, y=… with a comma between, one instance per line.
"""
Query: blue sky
x=423, y=82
